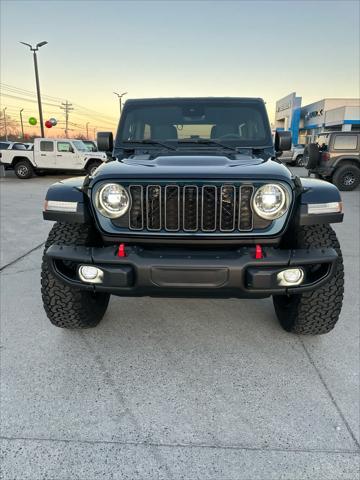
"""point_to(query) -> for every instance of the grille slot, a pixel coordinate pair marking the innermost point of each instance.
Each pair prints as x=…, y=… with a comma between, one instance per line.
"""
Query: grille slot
x=136, y=216
x=191, y=208
x=172, y=208
x=227, y=208
x=245, y=212
x=153, y=207
x=209, y=208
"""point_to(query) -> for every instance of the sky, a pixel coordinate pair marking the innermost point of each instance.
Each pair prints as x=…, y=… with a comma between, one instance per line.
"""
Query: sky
x=170, y=48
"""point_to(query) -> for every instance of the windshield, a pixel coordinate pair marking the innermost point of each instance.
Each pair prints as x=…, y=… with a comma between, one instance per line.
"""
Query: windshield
x=80, y=145
x=237, y=123
x=90, y=146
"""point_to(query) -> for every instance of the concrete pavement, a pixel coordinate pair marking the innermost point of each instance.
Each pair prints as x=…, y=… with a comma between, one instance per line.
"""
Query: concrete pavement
x=171, y=389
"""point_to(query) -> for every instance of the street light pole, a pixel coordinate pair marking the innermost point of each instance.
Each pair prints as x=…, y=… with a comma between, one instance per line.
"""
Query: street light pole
x=22, y=125
x=120, y=95
x=34, y=50
x=87, y=130
x=5, y=124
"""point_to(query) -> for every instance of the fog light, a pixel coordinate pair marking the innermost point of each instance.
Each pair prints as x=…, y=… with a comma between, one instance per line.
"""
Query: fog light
x=90, y=274
x=290, y=277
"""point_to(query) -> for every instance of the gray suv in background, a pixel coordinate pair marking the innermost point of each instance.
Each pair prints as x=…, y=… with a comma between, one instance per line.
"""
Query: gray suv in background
x=294, y=156
x=336, y=158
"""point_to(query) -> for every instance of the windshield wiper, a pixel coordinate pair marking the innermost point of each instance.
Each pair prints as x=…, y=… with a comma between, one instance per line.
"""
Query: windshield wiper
x=150, y=142
x=206, y=141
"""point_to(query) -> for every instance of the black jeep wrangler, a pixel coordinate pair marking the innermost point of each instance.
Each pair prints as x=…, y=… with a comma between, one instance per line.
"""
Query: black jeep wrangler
x=194, y=204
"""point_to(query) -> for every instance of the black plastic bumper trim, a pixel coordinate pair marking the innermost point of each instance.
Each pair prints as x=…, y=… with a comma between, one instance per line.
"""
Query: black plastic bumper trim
x=184, y=273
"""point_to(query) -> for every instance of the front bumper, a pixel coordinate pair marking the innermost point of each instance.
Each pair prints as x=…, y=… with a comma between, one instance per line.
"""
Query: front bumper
x=192, y=273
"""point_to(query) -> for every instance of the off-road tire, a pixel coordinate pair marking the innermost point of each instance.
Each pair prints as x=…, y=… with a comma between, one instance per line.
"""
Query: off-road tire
x=345, y=173
x=23, y=169
x=66, y=306
x=311, y=156
x=315, y=312
x=92, y=166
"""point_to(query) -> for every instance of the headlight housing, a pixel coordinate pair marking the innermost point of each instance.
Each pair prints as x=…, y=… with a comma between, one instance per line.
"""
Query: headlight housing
x=271, y=201
x=112, y=200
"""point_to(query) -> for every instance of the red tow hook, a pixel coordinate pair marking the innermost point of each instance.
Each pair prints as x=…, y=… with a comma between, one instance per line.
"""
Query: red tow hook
x=121, y=250
x=258, y=252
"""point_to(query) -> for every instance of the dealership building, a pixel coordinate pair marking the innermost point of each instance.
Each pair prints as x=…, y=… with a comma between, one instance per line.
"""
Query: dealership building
x=306, y=122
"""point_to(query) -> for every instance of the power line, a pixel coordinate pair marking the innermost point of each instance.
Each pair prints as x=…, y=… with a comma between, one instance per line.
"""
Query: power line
x=78, y=106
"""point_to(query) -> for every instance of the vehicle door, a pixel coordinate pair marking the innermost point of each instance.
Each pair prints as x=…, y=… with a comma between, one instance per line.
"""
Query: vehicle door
x=44, y=155
x=67, y=157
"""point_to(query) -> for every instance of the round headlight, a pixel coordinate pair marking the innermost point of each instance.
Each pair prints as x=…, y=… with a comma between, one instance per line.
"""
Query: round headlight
x=112, y=200
x=271, y=201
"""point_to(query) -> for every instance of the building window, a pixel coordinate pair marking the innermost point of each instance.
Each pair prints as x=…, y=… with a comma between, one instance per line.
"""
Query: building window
x=345, y=142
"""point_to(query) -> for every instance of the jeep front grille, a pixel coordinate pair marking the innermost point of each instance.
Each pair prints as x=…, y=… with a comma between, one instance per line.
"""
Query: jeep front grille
x=191, y=208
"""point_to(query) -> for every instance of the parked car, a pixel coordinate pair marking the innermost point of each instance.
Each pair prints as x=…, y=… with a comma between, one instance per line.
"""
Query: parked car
x=52, y=154
x=294, y=156
x=196, y=205
x=335, y=157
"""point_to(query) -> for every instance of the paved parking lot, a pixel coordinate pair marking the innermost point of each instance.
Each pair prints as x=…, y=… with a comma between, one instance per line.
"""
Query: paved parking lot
x=170, y=389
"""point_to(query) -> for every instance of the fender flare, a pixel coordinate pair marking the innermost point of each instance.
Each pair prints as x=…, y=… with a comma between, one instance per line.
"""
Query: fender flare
x=315, y=192
x=20, y=158
x=66, y=202
x=347, y=161
x=91, y=160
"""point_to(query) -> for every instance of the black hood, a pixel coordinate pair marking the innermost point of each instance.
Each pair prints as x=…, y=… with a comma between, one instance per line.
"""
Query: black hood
x=195, y=167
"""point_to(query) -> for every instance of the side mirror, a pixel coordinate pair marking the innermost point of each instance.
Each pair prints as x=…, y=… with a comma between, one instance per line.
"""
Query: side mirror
x=105, y=141
x=282, y=141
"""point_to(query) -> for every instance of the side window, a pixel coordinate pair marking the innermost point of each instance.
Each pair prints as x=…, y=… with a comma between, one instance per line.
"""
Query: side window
x=345, y=142
x=46, y=146
x=19, y=146
x=64, y=147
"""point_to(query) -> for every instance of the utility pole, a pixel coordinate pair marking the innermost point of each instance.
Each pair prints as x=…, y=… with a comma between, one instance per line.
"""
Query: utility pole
x=67, y=107
x=87, y=130
x=22, y=124
x=34, y=50
x=94, y=133
x=120, y=95
x=5, y=125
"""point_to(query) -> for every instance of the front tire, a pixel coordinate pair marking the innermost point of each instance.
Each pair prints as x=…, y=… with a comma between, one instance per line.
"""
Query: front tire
x=23, y=169
x=300, y=161
x=66, y=306
x=91, y=168
x=315, y=312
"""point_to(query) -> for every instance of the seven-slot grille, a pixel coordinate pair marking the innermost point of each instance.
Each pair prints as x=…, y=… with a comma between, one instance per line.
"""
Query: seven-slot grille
x=191, y=208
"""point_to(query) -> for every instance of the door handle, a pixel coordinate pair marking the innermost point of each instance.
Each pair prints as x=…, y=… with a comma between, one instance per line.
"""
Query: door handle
x=59, y=155
x=43, y=154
